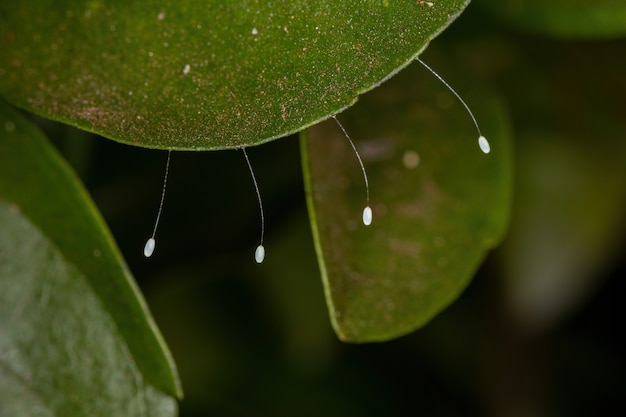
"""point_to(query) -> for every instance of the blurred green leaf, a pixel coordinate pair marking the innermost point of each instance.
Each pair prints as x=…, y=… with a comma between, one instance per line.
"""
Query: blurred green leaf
x=568, y=220
x=76, y=338
x=582, y=19
x=439, y=203
x=205, y=75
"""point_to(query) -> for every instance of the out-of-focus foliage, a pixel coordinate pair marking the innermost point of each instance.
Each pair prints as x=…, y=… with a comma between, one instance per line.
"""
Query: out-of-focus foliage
x=568, y=19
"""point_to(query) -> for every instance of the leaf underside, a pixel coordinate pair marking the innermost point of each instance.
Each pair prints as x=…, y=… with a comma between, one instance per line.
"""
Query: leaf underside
x=205, y=75
x=439, y=204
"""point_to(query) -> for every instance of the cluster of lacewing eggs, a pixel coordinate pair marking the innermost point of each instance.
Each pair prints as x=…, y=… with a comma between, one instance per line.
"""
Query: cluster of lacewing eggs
x=259, y=253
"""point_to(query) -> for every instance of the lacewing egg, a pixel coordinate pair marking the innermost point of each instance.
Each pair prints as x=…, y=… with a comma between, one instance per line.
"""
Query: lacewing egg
x=367, y=211
x=259, y=254
x=484, y=144
x=482, y=141
x=367, y=216
x=149, y=248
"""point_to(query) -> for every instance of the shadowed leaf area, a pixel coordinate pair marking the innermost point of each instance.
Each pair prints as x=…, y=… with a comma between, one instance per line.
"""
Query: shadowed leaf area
x=438, y=203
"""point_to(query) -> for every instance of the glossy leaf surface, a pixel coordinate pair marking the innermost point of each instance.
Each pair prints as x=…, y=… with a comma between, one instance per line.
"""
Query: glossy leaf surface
x=205, y=75
x=438, y=203
x=76, y=338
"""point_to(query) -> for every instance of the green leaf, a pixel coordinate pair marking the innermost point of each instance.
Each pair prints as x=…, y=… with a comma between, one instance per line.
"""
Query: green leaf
x=439, y=203
x=562, y=18
x=568, y=222
x=205, y=75
x=76, y=337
